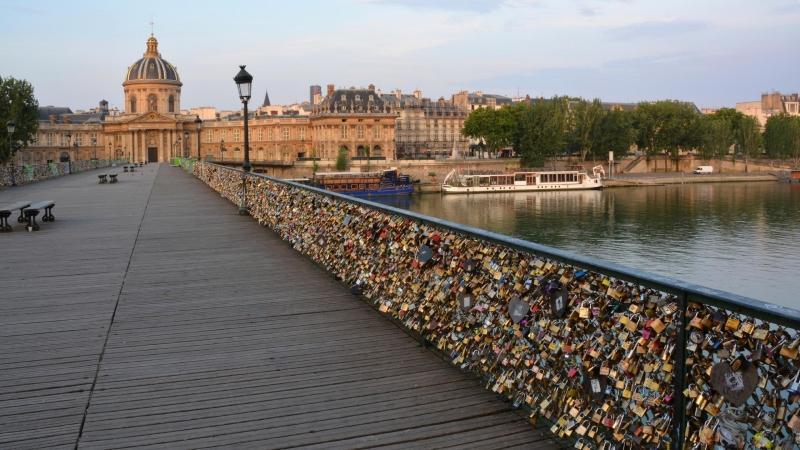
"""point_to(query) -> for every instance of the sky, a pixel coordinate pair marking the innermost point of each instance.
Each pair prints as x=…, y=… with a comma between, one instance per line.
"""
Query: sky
x=711, y=52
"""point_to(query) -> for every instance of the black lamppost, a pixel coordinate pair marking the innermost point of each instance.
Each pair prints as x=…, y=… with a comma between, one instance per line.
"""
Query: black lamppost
x=198, y=124
x=94, y=147
x=10, y=128
x=185, y=144
x=244, y=82
x=221, y=150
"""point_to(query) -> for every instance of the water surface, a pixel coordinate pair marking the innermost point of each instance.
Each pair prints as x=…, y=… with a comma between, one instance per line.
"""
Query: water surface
x=738, y=237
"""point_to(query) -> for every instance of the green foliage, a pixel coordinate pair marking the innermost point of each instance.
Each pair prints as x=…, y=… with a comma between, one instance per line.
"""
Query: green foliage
x=749, y=137
x=494, y=127
x=584, y=124
x=614, y=133
x=782, y=137
x=342, y=160
x=542, y=130
x=668, y=126
x=17, y=104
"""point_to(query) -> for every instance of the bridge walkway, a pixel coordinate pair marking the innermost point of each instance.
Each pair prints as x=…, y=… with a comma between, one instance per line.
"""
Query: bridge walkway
x=151, y=314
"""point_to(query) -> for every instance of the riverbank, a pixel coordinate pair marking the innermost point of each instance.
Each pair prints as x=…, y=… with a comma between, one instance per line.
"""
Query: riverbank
x=659, y=179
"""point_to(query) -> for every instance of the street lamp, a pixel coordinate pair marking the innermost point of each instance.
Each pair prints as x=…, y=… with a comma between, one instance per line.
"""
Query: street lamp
x=185, y=144
x=94, y=147
x=198, y=124
x=221, y=150
x=244, y=82
x=10, y=128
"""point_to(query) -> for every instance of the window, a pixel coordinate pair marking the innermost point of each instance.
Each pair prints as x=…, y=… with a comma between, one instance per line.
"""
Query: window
x=285, y=133
x=358, y=98
x=152, y=103
x=260, y=134
x=78, y=139
x=344, y=131
x=360, y=132
x=133, y=104
x=376, y=132
x=49, y=139
x=302, y=133
x=209, y=136
x=171, y=104
x=269, y=134
x=344, y=98
x=236, y=135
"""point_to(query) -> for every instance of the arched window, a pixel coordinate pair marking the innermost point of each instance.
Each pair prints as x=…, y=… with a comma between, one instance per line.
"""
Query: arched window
x=171, y=103
x=152, y=103
x=133, y=104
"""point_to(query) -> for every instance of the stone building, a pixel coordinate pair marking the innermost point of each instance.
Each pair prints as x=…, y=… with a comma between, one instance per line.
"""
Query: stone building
x=427, y=129
x=151, y=128
x=356, y=120
x=769, y=105
x=474, y=100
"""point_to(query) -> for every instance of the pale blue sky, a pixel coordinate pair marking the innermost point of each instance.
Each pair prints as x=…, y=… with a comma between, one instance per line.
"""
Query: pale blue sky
x=712, y=52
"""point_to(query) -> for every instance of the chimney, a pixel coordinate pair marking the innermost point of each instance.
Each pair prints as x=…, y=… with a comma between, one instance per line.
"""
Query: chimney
x=398, y=93
x=371, y=87
x=330, y=90
x=418, y=94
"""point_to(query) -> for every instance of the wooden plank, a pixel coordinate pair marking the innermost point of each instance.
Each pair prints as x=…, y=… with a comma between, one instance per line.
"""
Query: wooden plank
x=222, y=335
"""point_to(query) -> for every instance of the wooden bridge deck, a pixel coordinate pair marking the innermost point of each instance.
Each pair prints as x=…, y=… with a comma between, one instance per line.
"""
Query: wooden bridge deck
x=151, y=315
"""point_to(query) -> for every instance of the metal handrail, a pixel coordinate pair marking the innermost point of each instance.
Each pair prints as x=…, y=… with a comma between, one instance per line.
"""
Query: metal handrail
x=758, y=309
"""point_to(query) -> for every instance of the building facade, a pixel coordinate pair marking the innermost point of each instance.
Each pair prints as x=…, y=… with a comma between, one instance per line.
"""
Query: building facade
x=474, y=100
x=428, y=129
x=770, y=105
x=151, y=128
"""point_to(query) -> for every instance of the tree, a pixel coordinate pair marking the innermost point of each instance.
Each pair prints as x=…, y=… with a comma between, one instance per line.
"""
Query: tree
x=749, y=138
x=667, y=126
x=542, y=130
x=492, y=126
x=17, y=104
x=614, y=133
x=342, y=161
x=585, y=118
x=782, y=137
x=717, y=137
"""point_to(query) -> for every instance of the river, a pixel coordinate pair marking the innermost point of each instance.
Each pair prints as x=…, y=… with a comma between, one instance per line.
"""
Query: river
x=737, y=237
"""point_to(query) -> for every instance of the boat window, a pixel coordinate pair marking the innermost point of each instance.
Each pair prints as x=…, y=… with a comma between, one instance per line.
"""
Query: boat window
x=519, y=177
x=483, y=181
x=353, y=186
x=361, y=186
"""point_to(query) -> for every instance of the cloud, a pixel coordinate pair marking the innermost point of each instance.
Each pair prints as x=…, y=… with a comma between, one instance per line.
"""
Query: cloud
x=481, y=6
x=655, y=29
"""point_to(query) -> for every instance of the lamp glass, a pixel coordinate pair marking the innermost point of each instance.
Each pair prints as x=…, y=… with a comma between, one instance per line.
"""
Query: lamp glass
x=244, y=82
x=10, y=127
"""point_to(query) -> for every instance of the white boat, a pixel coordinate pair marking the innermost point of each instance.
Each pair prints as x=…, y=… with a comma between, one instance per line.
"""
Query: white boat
x=464, y=183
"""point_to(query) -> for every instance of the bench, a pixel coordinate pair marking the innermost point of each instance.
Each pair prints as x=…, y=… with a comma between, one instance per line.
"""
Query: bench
x=5, y=213
x=33, y=210
x=113, y=178
x=125, y=169
x=103, y=178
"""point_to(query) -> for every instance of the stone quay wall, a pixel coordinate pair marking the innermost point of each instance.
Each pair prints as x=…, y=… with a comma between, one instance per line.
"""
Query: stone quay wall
x=590, y=347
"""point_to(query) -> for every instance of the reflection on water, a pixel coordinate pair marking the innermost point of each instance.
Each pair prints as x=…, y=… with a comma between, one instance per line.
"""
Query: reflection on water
x=742, y=238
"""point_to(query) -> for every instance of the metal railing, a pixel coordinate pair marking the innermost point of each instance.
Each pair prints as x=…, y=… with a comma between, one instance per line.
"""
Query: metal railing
x=612, y=356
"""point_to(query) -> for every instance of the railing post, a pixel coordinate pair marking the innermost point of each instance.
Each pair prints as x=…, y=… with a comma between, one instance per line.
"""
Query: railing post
x=679, y=403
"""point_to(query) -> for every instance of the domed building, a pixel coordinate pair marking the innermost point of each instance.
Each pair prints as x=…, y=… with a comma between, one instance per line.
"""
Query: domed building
x=152, y=128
